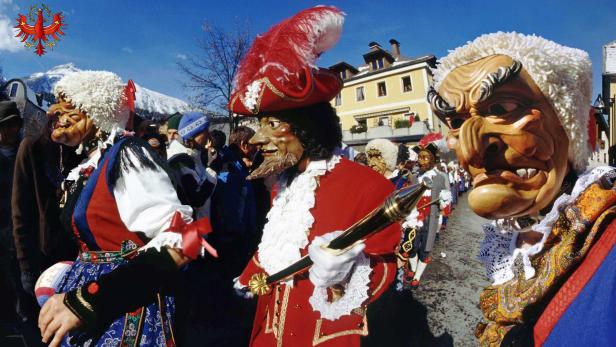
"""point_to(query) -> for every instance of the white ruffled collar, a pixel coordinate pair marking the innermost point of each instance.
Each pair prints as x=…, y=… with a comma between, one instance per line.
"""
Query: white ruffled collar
x=498, y=250
x=289, y=220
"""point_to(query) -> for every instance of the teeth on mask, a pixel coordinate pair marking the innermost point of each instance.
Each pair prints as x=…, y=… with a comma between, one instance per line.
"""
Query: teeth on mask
x=521, y=172
x=531, y=172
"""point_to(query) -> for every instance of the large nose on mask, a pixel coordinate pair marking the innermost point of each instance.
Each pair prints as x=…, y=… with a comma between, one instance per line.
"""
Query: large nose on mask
x=54, y=111
x=475, y=141
x=258, y=138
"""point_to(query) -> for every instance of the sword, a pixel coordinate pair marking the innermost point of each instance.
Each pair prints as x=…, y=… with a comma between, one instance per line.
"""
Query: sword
x=395, y=208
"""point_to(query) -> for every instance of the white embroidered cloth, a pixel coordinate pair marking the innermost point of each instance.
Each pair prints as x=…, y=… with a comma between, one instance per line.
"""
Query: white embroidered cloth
x=498, y=250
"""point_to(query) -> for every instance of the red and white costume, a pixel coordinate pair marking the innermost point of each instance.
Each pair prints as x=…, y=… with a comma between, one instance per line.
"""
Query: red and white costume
x=328, y=196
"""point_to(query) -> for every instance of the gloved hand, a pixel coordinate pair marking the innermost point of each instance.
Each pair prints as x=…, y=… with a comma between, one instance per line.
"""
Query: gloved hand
x=242, y=290
x=331, y=268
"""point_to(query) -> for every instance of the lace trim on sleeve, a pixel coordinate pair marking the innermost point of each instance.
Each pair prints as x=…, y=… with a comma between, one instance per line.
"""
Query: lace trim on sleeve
x=355, y=294
x=167, y=239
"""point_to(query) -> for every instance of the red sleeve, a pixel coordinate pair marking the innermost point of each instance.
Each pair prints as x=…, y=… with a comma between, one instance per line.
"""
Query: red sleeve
x=380, y=247
x=251, y=268
x=385, y=241
x=383, y=274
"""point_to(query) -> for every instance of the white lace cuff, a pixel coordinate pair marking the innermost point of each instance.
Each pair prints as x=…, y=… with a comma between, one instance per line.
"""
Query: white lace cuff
x=355, y=294
x=445, y=197
x=167, y=239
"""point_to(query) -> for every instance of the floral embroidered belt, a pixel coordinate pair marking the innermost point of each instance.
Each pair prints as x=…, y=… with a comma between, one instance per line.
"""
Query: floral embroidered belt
x=127, y=250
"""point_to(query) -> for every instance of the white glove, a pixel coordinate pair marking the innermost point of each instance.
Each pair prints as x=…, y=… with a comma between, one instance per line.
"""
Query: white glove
x=242, y=290
x=331, y=268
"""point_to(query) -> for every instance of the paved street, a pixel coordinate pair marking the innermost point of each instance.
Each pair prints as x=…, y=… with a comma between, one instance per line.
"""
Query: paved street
x=443, y=310
x=451, y=285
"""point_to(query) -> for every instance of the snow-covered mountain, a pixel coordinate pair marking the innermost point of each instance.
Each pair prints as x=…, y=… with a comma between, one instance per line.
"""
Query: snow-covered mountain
x=149, y=103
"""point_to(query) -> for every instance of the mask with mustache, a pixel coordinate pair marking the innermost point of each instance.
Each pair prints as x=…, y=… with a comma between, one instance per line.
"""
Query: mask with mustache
x=280, y=148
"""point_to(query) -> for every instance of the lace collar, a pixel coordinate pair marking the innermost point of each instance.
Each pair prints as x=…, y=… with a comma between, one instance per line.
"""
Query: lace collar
x=498, y=251
x=289, y=220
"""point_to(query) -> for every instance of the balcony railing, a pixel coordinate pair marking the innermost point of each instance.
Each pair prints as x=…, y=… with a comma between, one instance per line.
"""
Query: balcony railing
x=418, y=129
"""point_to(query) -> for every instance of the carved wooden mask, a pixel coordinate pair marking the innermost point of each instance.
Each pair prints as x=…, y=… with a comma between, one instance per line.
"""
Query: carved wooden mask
x=506, y=134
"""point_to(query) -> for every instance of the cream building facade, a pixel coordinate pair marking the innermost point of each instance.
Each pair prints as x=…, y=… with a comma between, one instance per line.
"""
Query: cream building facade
x=608, y=93
x=386, y=97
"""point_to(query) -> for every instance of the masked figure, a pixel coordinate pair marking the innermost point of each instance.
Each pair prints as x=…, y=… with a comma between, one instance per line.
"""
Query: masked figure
x=518, y=109
x=318, y=193
x=120, y=207
x=381, y=155
x=422, y=225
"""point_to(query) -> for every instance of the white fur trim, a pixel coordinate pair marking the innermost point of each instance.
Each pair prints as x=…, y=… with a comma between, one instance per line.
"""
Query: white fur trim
x=388, y=150
x=563, y=74
x=252, y=94
x=99, y=94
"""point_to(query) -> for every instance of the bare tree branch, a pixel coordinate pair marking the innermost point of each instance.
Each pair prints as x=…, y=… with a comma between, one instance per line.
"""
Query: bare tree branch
x=210, y=73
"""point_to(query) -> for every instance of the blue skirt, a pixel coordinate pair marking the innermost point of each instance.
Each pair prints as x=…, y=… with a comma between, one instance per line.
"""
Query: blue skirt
x=146, y=326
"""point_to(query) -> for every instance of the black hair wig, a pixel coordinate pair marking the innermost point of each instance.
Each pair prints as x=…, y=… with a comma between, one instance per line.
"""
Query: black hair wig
x=317, y=127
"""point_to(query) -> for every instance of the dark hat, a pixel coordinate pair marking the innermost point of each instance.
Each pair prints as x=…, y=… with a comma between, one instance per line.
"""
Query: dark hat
x=8, y=111
x=430, y=147
x=174, y=121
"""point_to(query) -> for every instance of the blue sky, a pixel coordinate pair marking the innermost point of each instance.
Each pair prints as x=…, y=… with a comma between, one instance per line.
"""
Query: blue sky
x=143, y=40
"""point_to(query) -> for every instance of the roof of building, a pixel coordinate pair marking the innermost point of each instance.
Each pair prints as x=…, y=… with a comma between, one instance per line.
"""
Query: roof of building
x=364, y=71
x=344, y=64
x=35, y=98
x=378, y=51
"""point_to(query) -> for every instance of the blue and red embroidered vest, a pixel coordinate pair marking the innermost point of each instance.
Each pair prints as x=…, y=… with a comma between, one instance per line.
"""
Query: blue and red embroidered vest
x=96, y=219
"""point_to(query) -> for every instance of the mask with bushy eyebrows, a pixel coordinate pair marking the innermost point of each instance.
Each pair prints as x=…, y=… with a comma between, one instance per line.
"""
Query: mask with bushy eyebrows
x=506, y=134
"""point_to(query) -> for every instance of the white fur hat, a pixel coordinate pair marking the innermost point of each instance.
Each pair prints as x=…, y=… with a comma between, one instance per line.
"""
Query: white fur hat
x=389, y=151
x=99, y=94
x=563, y=74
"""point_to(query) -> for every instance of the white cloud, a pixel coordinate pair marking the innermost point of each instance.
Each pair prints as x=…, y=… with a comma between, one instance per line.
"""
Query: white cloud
x=8, y=41
x=8, y=4
x=181, y=56
x=127, y=50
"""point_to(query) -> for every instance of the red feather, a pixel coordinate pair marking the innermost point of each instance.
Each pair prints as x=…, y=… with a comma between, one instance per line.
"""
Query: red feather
x=592, y=130
x=288, y=47
x=430, y=137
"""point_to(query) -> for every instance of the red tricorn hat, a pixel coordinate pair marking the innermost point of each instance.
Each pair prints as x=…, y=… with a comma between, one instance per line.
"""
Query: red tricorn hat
x=432, y=142
x=279, y=72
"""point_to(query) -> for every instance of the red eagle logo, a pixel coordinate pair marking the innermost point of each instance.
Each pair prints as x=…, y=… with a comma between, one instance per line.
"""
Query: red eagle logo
x=39, y=31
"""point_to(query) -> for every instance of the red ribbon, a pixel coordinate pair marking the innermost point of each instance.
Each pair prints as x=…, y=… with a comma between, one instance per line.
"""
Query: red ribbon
x=192, y=235
x=87, y=171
